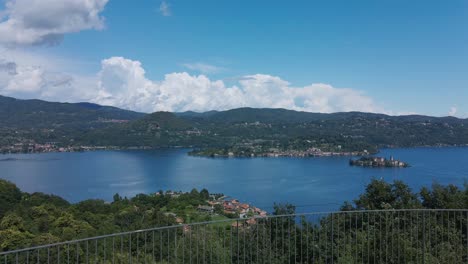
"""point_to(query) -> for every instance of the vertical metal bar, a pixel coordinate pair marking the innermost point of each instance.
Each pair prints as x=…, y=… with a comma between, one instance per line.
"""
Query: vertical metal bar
x=295, y=239
x=271, y=239
x=183, y=245
x=392, y=233
x=87, y=252
x=368, y=237
x=146, y=246
x=168, y=246
x=204, y=243
x=332, y=237
x=418, y=242
x=154, y=258
x=301, y=230
x=325, y=237
x=307, y=240
x=374, y=242
x=105, y=249
x=113, y=249
x=386, y=237
x=160, y=246
x=424, y=239
x=398, y=237
x=355, y=236
x=130, y=248
x=190, y=239
x=362, y=240
x=238, y=242
x=258, y=241
x=77, y=252
x=289, y=239
x=244, y=242
x=231, y=245
x=380, y=235
x=137, y=246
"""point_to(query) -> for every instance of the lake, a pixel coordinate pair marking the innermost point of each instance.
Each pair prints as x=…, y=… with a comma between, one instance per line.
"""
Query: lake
x=312, y=184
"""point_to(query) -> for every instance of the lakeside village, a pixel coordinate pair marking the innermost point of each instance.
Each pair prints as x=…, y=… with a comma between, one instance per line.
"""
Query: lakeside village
x=53, y=147
x=275, y=153
x=219, y=206
x=378, y=162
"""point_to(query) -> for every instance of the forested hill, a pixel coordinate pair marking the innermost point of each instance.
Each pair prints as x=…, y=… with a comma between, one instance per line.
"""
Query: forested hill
x=18, y=113
x=243, y=130
x=278, y=115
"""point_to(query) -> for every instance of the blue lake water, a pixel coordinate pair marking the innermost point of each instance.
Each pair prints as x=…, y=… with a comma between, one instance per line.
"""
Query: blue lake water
x=313, y=184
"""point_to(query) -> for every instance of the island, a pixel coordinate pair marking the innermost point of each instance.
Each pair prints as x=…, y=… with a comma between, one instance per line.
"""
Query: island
x=378, y=162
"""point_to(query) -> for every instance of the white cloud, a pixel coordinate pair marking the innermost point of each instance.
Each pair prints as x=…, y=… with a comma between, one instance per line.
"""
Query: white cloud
x=165, y=9
x=203, y=67
x=123, y=83
x=28, y=75
x=29, y=22
x=453, y=111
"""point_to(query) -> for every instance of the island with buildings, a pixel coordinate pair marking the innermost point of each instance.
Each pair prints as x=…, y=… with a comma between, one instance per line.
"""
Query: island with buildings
x=378, y=162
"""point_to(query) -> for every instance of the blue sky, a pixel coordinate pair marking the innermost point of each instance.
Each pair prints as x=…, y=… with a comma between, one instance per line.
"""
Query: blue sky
x=396, y=56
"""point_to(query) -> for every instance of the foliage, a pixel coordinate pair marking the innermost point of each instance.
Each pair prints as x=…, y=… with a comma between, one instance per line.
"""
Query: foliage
x=353, y=235
x=243, y=131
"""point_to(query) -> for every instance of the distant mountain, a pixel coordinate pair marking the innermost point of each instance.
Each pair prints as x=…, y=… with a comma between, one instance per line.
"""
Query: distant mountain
x=279, y=115
x=253, y=129
x=18, y=113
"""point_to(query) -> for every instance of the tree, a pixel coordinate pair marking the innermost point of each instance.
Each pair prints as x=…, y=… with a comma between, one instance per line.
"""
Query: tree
x=204, y=194
x=10, y=195
x=12, y=221
x=117, y=198
x=378, y=195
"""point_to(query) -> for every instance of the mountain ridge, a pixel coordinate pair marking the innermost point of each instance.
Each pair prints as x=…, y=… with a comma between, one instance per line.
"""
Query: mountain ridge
x=88, y=124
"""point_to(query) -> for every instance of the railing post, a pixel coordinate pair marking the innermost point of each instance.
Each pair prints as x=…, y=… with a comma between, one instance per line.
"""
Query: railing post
x=424, y=239
x=332, y=238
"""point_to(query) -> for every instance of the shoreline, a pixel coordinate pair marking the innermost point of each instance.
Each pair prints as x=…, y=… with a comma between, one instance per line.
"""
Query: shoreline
x=267, y=155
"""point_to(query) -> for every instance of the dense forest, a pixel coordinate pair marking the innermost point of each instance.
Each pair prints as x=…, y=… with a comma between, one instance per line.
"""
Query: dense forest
x=24, y=123
x=391, y=235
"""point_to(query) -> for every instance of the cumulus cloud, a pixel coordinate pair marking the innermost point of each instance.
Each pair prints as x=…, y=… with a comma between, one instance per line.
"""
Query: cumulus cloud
x=30, y=22
x=203, y=67
x=35, y=82
x=122, y=83
x=165, y=9
x=453, y=111
x=28, y=75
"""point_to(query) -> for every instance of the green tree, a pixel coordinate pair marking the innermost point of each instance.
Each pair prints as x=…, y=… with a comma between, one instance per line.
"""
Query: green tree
x=10, y=195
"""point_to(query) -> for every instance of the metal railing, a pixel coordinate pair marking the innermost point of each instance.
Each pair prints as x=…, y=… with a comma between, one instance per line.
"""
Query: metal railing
x=381, y=236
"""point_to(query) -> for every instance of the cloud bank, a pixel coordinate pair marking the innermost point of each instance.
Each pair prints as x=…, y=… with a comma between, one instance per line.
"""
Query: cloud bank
x=32, y=22
x=123, y=83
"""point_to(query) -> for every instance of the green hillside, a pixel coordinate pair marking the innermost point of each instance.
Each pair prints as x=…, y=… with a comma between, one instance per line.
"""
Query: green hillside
x=246, y=130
